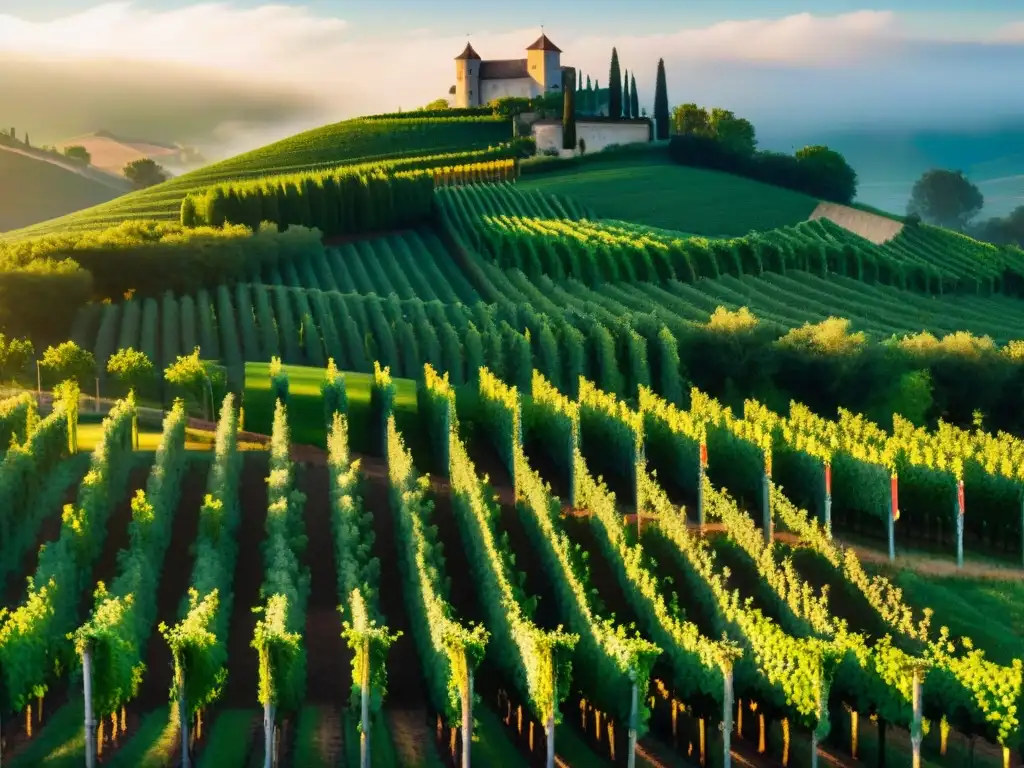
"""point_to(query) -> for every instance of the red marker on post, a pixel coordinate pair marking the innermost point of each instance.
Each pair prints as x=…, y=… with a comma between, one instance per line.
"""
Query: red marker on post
x=895, y=498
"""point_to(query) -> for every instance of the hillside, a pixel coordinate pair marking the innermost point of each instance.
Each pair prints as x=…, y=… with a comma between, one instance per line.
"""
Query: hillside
x=350, y=142
x=112, y=153
x=34, y=188
x=649, y=189
x=621, y=539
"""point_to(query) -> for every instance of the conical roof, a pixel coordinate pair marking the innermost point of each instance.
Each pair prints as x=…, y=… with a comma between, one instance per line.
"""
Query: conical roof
x=468, y=53
x=543, y=44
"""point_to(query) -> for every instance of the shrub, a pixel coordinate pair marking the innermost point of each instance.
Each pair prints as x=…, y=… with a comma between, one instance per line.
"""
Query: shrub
x=816, y=171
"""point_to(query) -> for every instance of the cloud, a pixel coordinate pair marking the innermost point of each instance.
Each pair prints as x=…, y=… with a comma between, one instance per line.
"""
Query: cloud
x=228, y=71
x=1011, y=33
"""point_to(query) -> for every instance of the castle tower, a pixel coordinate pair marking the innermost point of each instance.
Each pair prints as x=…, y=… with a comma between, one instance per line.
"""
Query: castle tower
x=467, y=78
x=544, y=64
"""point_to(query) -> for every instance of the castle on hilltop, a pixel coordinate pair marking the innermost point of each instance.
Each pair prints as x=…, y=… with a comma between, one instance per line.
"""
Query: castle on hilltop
x=479, y=82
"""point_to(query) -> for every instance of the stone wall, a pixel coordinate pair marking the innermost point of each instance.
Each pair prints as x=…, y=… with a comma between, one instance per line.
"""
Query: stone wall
x=522, y=87
x=596, y=135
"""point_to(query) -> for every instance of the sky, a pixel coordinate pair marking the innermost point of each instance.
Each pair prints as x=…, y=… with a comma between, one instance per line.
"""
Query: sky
x=230, y=75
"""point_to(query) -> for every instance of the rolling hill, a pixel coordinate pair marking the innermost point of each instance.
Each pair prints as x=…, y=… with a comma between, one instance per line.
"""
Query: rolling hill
x=35, y=187
x=350, y=142
x=111, y=153
x=649, y=189
x=637, y=548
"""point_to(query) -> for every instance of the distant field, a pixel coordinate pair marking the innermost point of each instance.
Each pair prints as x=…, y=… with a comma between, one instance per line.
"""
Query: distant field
x=350, y=142
x=34, y=190
x=672, y=196
x=305, y=406
x=989, y=612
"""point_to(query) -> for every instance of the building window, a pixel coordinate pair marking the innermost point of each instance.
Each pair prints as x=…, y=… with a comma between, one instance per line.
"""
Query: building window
x=533, y=67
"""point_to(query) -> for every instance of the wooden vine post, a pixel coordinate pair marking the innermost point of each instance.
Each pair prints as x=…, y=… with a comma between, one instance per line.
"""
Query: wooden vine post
x=639, y=467
x=894, y=513
x=916, y=725
x=766, y=498
x=446, y=460
x=702, y=466
x=727, y=706
x=960, y=522
x=828, y=498
x=268, y=733
x=631, y=755
x=364, y=730
x=574, y=447
x=517, y=440
x=549, y=727
x=182, y=715
x=467, y=716
x=90, y=718
x=822, y=700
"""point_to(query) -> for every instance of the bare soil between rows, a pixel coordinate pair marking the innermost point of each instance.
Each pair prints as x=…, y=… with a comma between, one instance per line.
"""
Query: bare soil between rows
x=241, y=690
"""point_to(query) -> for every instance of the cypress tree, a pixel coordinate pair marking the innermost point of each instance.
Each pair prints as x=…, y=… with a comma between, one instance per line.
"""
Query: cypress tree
x=634, y=104
x=615, y=87
x=589, y=86
x=661, y=102
x=569, y=111
x=627, y=100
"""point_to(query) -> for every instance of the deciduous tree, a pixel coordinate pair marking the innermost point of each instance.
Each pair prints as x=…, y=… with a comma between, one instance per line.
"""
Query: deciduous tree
x=945, y=198
x=198, y=378
x=131, y=367
x=734, y=132
x=436, y=104
x=144, y=173
x=14, y=356
x=70, y=361
x=833, y=178
x=78, y=153
x=690, y=118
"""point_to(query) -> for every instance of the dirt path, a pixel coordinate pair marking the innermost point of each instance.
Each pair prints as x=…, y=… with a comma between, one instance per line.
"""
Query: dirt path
x=406, y=709
x=105, y=568
x=933, y=565
x=243, y=661
x=174, y=583
x=328, y=659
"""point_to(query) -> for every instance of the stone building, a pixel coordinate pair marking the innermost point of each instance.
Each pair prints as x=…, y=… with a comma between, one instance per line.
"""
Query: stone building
x=479, y=82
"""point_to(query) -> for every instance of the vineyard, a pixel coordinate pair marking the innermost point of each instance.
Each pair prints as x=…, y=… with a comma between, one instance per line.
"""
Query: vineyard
x=353, y=142
x=654, y=304
x=440, y=464
x=656, y=193
x=622, y=615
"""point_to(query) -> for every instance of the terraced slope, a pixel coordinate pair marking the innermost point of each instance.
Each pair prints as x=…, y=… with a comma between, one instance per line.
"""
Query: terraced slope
x=346, y=143
x=656, y=192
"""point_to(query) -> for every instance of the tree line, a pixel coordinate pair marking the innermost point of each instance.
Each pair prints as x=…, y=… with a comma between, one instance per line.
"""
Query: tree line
x=949, y=199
